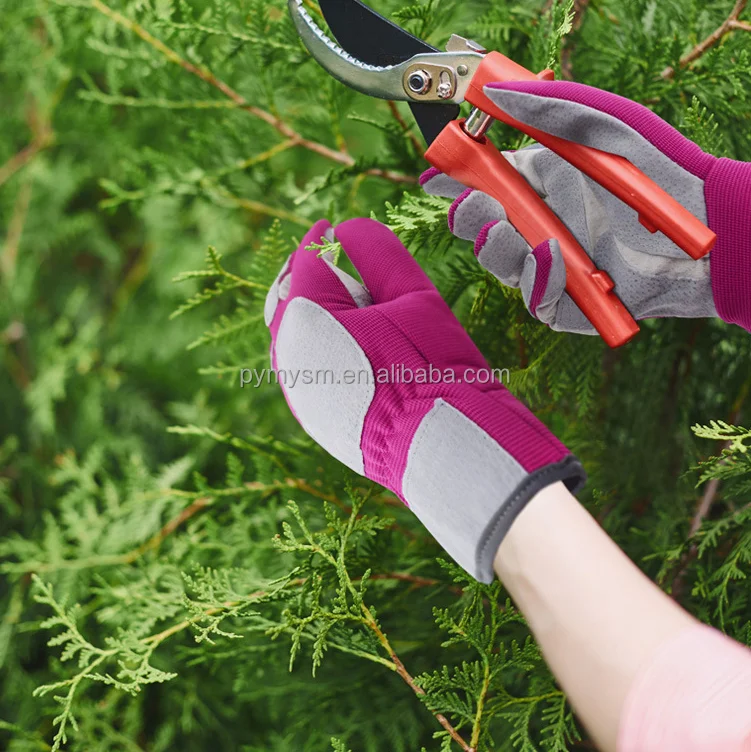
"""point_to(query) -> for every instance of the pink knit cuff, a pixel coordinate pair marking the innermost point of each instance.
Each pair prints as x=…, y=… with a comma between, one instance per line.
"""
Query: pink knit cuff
x=728, y=194
x=694, y=696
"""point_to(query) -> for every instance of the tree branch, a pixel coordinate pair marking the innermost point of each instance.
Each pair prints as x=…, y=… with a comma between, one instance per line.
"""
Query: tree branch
x=15, y=231
x=208, y=77
x=408, y=132
x=223, y=197
x=408, y=678
x=297, y=582
x=17, y=161
x=730, y=24
x=477, y=725
x=42, y=136
x=197, y=504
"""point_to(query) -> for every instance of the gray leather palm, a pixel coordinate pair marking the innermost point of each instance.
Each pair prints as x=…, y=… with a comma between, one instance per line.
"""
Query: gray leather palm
x=313, y=351
x=456, y=480
x=653, y=277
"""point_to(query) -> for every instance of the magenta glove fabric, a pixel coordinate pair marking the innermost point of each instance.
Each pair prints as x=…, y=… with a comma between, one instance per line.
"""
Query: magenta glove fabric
x=653, y=277
x=383, y=376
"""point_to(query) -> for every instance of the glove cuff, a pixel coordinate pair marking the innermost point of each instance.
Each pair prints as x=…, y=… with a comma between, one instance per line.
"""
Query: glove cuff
x=728, y=194
x=467, y=488
x=569, y=470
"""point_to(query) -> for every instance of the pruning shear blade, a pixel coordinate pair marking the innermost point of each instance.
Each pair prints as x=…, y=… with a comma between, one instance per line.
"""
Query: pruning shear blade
x=441, y=77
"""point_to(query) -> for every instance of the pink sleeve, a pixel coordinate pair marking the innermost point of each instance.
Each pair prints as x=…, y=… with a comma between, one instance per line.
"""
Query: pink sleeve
x=694, y=696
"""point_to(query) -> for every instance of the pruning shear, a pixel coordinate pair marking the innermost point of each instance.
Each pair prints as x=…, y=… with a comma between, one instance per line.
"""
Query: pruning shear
x=385, y=61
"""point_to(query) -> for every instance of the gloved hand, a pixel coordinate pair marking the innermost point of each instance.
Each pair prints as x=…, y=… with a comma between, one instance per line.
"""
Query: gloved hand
x=653, y=277
x=453, y=444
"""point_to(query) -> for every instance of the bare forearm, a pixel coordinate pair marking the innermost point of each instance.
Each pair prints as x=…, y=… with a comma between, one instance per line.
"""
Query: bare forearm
x=596, y=617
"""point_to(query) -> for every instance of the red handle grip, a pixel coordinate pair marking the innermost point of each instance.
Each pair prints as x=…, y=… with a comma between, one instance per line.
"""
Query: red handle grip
x=657, y=209
x=478, y=164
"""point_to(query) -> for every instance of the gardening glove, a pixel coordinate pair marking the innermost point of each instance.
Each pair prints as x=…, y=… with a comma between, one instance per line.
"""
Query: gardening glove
x=653, y=277
x=407, y=399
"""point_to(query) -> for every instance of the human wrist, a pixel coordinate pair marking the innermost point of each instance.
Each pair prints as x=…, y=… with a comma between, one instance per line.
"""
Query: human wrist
x=597, y=618
x=561, y=478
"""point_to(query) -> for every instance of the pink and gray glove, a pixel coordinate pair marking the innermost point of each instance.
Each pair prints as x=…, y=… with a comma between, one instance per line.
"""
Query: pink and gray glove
x=460, y=450
x=653, y=277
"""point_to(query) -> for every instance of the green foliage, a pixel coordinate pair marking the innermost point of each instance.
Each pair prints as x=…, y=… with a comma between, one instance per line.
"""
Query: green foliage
x=701, y=127
x=419, y=222
x=476, y=692
x=546, y=44
x=180, y=566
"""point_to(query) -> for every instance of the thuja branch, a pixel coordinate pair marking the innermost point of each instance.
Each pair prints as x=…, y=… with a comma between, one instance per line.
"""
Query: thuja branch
x=730, y=24
x=110, y=560
x=401, y=669
x=133, y=657
x=223, y=197
x=160, y=637
x=197, y=503
x=368, y=619
x=580, y=8
x=477, y=725
x=341, y=157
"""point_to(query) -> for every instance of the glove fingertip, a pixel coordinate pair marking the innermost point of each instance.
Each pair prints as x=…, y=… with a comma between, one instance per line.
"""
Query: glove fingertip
x=386, y=267
x=557, y=275
x=315, y=234
x=528, y=282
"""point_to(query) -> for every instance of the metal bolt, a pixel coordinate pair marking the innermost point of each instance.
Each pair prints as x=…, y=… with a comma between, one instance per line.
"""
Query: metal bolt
x=443, y=90
x=462, y=69
x=419, y=82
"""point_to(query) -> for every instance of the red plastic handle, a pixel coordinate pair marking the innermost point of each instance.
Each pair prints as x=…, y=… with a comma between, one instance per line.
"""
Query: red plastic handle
x=478, y=164
x=657, y=209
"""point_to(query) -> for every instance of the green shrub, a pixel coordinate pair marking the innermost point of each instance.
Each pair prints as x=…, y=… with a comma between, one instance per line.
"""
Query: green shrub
x=182, y=568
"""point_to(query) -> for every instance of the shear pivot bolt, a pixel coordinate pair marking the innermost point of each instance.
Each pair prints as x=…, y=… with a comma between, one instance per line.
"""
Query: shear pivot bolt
x=419, y=81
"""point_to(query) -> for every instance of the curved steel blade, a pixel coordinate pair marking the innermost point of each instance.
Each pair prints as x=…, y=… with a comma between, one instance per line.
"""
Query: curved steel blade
x=377, y=81
x=375, y=40
x=368, y=35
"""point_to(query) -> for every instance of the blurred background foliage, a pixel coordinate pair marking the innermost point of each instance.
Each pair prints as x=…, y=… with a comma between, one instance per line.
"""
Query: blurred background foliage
x=145, y=602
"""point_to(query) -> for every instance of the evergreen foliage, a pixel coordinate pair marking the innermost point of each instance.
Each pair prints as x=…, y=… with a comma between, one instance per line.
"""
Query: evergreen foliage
x=180, y=566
